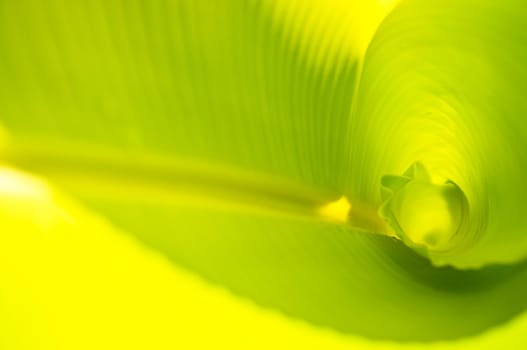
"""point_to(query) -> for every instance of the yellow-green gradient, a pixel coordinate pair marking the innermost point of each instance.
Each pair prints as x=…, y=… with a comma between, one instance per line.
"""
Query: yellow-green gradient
x=243, y=173
x=72, y=281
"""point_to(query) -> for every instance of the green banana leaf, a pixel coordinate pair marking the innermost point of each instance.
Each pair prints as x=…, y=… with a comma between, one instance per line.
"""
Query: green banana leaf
x=274, y=173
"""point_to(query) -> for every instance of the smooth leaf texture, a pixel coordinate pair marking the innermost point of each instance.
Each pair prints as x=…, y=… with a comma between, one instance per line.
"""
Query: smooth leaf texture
x=213, y=133
x=71, y=280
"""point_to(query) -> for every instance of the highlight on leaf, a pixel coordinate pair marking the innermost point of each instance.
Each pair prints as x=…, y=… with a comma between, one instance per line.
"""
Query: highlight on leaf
x=275, y=174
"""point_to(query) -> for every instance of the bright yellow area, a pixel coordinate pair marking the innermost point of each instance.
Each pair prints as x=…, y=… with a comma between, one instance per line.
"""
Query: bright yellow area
x=337, y=210
x=16, y=184
x=78, y=283
x=339, y=27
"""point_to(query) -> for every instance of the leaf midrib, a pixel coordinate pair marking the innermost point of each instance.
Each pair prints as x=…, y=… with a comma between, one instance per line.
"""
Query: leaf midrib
x=128, y=174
